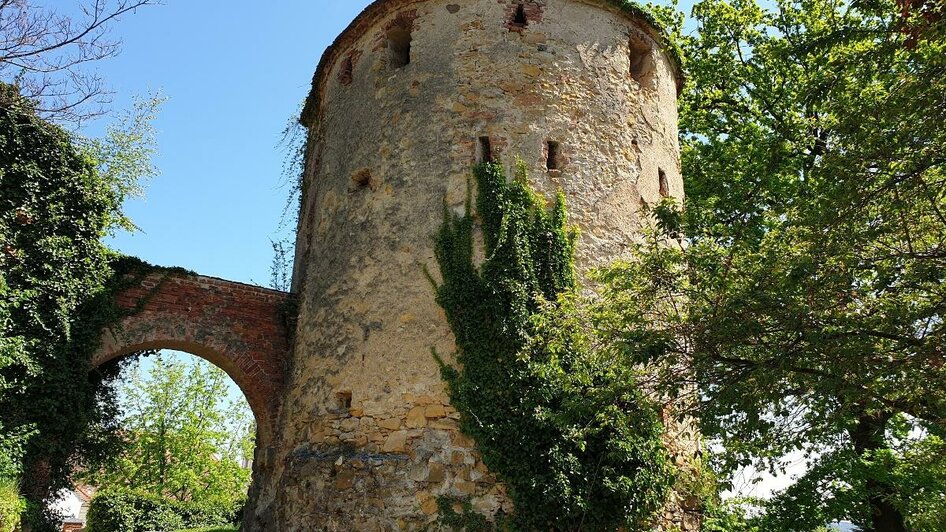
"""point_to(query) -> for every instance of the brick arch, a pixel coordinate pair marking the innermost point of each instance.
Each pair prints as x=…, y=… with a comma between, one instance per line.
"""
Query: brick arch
x=241, y=329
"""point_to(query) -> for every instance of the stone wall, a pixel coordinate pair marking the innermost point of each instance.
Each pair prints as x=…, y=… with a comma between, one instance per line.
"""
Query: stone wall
x=368, y=438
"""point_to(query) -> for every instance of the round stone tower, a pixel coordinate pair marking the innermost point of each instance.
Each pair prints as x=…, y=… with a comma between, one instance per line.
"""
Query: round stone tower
x=407, y=99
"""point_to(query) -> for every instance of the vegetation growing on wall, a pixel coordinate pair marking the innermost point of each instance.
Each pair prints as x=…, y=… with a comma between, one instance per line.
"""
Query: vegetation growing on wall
x=563, y=424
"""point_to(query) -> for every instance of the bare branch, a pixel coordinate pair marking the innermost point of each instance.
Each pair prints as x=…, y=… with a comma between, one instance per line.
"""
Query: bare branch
x=45, y=54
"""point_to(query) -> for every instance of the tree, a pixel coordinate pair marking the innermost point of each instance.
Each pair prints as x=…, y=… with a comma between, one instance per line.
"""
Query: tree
x=183, y=440
x=57, y=201
x=803, y=309
x=46, y=54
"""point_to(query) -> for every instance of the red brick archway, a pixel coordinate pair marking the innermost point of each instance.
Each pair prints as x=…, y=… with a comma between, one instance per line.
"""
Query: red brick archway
x=240, y=328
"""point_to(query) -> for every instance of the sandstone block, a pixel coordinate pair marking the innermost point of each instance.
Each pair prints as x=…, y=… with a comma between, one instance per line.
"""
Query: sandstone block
x=345, y=480
x=390, y=424
x=416, y=418
x=436, y=473
x=429, y=506
x=435, y=412
x=396, y=442
x=464, y=488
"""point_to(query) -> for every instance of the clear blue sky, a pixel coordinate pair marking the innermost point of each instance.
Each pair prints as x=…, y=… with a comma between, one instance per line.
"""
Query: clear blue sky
x=234, y=73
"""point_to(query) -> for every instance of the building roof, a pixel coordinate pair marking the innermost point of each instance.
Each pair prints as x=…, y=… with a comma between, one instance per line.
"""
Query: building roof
x=380, y=7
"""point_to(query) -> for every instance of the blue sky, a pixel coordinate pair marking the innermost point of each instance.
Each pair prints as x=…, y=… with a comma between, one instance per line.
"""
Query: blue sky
x=234, y=73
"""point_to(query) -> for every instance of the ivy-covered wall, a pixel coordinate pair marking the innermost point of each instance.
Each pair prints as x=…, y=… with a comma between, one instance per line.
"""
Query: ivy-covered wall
x=564, y=426
x=55, y=207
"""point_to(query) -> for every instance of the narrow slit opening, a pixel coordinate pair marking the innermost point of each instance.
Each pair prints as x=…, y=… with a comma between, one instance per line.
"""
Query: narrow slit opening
x=484, y=151
x=520, y=18
x=345, y=76
x=343, y=400
x=399, y=47
x=641, y=61
x=552, y=161
x=664, y=184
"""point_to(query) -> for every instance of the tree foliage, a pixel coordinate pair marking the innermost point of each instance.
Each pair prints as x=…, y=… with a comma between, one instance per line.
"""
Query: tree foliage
x=183, y=440
x=122, y=510
x=563, y=425
x=11, y=505
x=804, y=308
x=54, y=209
x=57, y=201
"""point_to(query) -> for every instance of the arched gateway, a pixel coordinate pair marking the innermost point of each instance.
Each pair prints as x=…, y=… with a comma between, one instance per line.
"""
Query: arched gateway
x=240, y=328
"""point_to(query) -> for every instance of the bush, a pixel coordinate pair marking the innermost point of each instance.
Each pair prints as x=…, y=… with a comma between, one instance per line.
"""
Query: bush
x=118, y=510
x=11, y=506
x=224, y=529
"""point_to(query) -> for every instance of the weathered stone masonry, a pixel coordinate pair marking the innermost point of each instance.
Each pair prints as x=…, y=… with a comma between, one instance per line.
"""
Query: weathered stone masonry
x=408, y=97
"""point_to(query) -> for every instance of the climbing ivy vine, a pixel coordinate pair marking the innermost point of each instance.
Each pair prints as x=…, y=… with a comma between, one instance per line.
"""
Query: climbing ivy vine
x=563, y=424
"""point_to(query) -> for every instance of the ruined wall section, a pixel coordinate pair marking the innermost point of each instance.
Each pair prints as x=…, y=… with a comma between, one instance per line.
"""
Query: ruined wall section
x=369, y=439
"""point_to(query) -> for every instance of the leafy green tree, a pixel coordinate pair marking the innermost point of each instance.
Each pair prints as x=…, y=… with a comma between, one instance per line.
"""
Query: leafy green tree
x=183, y=439
x=57, y=201
x=799, y=297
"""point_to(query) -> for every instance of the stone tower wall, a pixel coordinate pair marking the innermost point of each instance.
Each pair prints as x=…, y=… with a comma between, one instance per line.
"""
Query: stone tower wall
x=368, y=438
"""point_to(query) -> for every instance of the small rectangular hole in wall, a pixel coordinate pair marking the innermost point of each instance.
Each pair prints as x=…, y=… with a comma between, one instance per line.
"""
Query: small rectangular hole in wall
x=343, y=400
x=484, y=150
x=553, y=156
x=664, y=184
x=362, y=179
x=399, y=47
x=345, y=75
x=519, y=18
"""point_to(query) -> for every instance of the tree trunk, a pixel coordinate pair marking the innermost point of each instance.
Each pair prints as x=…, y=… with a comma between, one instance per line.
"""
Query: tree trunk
x=868, y=435
x=35, y=489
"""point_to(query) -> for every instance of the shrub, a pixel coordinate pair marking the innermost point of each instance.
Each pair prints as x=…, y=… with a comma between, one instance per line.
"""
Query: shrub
x=119, y=510
x=11, y=506
x=222, y=529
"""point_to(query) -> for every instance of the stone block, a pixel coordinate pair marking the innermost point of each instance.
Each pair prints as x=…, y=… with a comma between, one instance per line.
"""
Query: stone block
x=344, y=480
x=396, y=442
x=435, y=412
x=436, y=473
x=416, y=418
x=390, y=424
